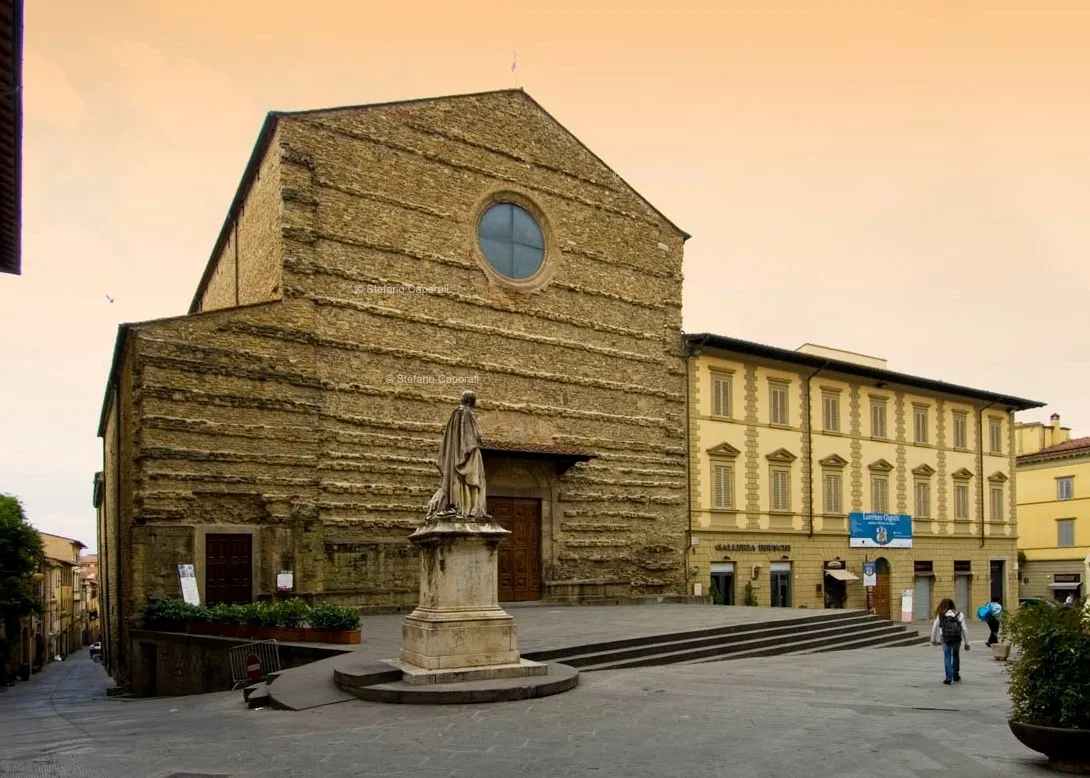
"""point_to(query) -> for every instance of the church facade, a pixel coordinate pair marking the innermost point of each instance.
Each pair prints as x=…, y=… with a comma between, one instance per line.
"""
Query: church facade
x=376, y=262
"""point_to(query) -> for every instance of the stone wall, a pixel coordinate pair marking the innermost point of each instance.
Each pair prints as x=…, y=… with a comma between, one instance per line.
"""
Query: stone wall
x=312, y=422
x=170, y=664
x=247, y=268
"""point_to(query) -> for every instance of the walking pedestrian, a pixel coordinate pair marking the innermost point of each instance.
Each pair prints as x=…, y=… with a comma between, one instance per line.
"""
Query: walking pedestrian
x=951, y=632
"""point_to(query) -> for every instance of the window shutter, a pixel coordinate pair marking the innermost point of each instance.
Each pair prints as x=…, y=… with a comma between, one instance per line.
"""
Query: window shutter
x=832, y=493
x=724, y=483
x=780, y=494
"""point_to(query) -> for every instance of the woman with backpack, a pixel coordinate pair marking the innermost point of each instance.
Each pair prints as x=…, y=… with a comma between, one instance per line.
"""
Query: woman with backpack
x=950, y=628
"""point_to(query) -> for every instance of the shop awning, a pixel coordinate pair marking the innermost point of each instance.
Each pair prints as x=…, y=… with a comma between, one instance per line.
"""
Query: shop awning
x=1073, y=585
x=842, y=575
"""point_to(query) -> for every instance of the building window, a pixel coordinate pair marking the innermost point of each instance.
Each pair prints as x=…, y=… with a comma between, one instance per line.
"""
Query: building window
x=722, y=396
x=777, y=403
x=830, y=403
x=997, y=503
x=961, y=501
x=1065, y=488
x=920, y=417
x=724, y=486
x=511, y=240
x=878, y=418
x=780, y=483
x=833, y=492
x=961, y=429
x=923, y=499
x=1065, y=531
x=995, y=436
x=879, y=494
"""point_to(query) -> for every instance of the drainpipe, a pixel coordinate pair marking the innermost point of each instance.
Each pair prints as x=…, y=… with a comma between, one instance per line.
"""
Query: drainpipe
x=980, y=464
x=810, y=447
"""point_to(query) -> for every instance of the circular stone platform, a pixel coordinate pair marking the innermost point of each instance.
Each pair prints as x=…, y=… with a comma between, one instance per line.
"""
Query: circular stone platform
x=367, y=685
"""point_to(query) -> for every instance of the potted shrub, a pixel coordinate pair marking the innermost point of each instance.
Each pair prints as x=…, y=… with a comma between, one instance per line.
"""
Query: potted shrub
x=713, y=592
x=291, y=615
x=749, y=595
x=1050, y=683
x=167, y=613
x=333, y=624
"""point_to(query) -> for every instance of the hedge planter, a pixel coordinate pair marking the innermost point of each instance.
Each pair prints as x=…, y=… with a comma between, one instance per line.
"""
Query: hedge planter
x=1068, y=750
x=342, y=636
x=283, y=634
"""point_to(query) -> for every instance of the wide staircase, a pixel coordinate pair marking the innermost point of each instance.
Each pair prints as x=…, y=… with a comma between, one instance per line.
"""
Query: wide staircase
x=805, y=635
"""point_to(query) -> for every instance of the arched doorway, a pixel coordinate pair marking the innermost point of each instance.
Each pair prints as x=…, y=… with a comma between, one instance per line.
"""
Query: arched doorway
x=521, y=499
x=882, y=593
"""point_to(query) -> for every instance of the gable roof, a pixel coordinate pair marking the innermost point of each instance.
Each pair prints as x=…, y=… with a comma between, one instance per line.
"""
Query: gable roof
x=879, y=375
x=1068, y=448
x=268, y=130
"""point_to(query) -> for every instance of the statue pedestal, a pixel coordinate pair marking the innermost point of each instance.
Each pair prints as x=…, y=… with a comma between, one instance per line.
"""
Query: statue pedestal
x=458, y=632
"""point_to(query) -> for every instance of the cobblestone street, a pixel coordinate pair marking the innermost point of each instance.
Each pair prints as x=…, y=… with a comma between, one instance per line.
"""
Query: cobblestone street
x=852, y=713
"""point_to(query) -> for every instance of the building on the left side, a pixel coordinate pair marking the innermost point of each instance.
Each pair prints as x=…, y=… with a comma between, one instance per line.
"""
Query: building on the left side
x=11, y=135
x=61, y=630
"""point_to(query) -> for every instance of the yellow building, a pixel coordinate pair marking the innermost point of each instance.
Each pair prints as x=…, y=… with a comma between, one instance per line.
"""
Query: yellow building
x=1053, y=511
x=61, y=633
x=775, y=498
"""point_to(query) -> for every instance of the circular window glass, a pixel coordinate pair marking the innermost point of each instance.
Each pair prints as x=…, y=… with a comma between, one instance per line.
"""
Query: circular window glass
x=511, y=240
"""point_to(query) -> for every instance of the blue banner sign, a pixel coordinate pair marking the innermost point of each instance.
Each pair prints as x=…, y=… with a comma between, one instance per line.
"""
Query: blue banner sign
x=880, y=530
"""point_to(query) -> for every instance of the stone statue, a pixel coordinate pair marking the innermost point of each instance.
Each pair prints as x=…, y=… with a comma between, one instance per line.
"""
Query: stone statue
x=462, y=490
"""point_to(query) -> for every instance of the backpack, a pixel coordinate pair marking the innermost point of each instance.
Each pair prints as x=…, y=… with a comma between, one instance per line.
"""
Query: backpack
x=983, y=611
x=951, y=630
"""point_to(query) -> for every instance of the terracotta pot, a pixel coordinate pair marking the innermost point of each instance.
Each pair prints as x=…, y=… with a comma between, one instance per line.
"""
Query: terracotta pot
x=1068, y=750
x=341, y=636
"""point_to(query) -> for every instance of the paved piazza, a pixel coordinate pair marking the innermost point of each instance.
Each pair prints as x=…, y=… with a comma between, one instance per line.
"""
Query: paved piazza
x=855, y=713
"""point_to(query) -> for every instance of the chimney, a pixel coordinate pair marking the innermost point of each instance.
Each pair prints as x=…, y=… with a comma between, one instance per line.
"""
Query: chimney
x=1055, y=419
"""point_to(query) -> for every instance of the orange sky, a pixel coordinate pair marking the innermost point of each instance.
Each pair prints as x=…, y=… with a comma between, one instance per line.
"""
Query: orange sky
x=893, y=178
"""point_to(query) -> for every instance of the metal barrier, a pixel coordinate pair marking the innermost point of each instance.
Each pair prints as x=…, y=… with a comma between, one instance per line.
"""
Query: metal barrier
x=253, y=662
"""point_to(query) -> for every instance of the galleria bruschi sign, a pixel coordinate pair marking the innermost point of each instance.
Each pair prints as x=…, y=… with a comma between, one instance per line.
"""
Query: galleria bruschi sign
x=750, y=547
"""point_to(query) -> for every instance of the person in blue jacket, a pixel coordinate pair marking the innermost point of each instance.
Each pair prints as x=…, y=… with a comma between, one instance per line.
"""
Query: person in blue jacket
x=989, y=614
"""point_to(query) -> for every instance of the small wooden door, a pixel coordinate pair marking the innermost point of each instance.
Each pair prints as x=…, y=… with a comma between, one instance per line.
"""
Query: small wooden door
x=882, y=589
x=519, y=565
x=228, y=563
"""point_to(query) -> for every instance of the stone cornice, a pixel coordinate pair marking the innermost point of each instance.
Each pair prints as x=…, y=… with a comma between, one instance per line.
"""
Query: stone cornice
x=781, y=455
x=723, y=450
x=833, y=461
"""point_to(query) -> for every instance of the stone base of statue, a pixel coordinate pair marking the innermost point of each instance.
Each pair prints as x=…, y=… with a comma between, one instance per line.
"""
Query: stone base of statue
x=458, y=632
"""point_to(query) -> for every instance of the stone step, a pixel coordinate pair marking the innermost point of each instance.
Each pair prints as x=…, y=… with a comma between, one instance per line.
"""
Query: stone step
x=248, y=690
x=759, y=646
x=259, y=697
x=739, y=631
x=773, y=632
x=890, y=639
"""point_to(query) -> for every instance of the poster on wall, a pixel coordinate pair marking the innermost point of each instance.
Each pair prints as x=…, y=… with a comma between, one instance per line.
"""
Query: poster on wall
x=870, y=574
x=285, y=581
x=880, y=530
x=188, y=577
